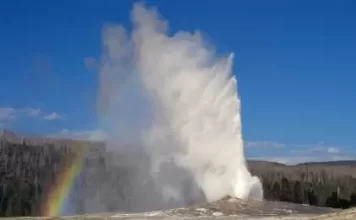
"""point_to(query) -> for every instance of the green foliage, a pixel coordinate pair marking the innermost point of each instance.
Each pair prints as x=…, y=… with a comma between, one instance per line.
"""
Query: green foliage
x=26, y=173
x=27, y=170
x=332, y=185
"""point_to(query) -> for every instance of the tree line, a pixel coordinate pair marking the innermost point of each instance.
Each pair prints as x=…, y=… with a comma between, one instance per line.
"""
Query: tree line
x=28, y=169
x=331, y=185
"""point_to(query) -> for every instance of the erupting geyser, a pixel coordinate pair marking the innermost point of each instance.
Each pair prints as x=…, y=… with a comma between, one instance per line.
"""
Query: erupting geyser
x=172, y=108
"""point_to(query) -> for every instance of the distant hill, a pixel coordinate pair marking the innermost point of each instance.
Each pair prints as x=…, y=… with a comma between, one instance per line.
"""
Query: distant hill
x=331, y=163
x=34, y=139
x=321, y=163
x=264, y=163
x=29, y=164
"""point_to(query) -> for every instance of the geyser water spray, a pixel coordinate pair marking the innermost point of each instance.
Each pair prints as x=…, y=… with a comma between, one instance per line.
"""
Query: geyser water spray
x=172, y=112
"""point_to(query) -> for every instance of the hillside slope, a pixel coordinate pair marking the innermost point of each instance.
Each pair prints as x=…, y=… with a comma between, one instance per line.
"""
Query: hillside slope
x=30, y=166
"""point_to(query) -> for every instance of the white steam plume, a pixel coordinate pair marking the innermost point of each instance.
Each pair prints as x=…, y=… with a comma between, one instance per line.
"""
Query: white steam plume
x=173, y=112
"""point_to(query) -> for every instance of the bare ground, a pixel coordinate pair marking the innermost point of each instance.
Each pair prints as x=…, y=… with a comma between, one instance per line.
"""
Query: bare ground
x=225, y=209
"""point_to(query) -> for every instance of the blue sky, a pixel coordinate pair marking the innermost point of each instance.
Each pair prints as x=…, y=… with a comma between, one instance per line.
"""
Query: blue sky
x=295, y=62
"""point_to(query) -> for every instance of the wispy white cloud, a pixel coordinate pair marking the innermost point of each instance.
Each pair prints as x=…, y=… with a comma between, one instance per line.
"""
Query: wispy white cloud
x=53, y=116
x=91, y=135
x=9, y=114
x=290, y=159
x=31, y=112
x=319, y=147
x=309, y=153
x=264, y=144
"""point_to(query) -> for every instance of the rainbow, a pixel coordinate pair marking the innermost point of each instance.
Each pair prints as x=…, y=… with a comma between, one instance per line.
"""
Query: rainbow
x=59, y=193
